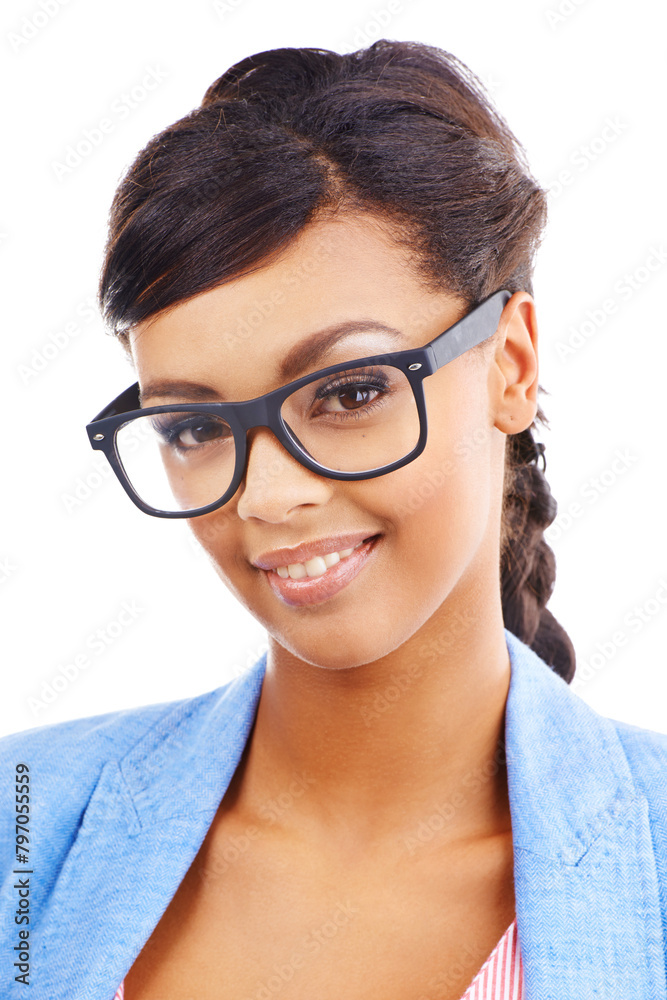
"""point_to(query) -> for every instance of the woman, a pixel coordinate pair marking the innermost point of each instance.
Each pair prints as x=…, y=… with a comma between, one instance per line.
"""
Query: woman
x=404, y=799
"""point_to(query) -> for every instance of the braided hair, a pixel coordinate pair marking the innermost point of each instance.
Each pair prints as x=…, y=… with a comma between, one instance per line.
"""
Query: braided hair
x=400, y=129
x=527, y=563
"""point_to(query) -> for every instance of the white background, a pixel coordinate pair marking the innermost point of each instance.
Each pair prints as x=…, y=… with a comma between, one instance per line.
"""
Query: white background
x=560, y=72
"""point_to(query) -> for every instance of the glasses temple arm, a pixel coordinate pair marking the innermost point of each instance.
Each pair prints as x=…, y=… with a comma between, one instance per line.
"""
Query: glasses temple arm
x=477, y=326
x=128, y=400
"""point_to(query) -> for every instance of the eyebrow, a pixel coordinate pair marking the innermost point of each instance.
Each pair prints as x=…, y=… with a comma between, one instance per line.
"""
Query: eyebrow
x=302, y=356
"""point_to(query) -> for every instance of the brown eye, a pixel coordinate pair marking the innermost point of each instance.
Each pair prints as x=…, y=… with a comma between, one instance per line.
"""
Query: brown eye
x=351, y=397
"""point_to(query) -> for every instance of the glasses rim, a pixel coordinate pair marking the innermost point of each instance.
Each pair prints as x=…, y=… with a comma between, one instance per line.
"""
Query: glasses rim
x=416, y=364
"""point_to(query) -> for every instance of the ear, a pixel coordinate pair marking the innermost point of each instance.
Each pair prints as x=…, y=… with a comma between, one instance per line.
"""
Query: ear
x=514, y=369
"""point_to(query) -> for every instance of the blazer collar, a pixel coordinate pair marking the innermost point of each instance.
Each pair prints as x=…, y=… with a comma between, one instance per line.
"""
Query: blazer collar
x=587, y=902
x=587, y=895
x=567, y=772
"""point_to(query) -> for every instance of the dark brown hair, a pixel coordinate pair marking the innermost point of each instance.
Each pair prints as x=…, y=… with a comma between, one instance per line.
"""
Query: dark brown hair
x=400, y=129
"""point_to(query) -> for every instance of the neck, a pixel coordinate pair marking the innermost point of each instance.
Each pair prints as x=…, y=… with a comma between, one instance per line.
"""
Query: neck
x=383, y=750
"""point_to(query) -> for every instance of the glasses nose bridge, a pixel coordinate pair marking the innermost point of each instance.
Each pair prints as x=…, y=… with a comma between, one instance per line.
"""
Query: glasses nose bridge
x=261, y=412
x=256, y=413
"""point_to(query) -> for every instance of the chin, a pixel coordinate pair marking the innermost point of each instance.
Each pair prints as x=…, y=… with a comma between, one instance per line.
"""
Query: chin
x=343, y=648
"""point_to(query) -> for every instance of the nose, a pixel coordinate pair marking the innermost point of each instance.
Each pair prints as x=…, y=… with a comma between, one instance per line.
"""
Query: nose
x=275, y=484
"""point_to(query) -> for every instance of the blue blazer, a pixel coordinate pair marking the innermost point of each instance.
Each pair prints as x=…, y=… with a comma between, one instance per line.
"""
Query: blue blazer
x=120, y=804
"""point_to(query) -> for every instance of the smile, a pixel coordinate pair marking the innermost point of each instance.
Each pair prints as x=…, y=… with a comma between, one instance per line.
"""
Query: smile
x=320, y=577
x=317, y=566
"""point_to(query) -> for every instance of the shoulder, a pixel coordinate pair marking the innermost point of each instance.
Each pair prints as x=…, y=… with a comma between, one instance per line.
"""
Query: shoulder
x=82, y=744
x=62, y=763
x=544, y=707
x=86, y=744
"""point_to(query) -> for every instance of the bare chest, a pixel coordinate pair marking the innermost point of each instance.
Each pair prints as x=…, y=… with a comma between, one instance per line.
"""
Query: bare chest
x=267, y=922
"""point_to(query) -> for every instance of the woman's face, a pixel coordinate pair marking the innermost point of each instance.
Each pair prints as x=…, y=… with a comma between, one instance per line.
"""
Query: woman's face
x=434, y=523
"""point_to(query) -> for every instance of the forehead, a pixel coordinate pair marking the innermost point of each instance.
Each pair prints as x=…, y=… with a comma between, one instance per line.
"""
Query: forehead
x=236, y=337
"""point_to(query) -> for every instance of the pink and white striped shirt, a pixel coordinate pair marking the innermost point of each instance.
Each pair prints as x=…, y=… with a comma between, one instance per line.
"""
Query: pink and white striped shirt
x=500, y=978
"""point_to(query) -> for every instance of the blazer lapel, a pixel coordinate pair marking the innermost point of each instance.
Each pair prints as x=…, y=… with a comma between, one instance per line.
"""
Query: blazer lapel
x=587, y=895
x=142, y=828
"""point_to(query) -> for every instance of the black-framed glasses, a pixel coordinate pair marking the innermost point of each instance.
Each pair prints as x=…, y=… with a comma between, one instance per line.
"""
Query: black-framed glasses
x=356, y=420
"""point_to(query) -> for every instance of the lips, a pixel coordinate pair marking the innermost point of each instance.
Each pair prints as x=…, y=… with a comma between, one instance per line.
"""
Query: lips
x=309, y=550
x=315, y=590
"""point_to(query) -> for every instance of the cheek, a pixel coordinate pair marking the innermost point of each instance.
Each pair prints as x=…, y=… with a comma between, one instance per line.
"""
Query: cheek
x=219, y=535
x=213, y=531
x=448, y=484
x=439, y=505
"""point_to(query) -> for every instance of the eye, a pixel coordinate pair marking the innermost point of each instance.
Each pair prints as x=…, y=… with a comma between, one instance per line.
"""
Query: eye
x=351, y=397
x=355, y=392
x=190, y=433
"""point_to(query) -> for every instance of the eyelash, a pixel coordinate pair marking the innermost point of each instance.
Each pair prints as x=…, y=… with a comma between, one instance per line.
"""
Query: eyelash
x=370, y=382
x=171, y=432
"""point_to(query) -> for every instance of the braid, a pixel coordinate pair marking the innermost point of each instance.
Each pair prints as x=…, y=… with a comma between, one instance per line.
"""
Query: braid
x=527, y=563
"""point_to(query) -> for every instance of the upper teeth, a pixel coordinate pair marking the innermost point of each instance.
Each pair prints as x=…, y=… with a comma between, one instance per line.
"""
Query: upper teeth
x=316, y=566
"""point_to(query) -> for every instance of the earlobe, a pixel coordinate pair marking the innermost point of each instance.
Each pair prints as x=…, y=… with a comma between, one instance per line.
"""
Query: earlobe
x=515, y=368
